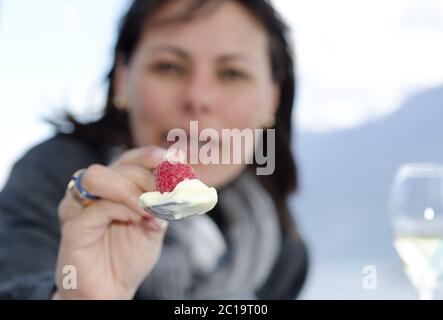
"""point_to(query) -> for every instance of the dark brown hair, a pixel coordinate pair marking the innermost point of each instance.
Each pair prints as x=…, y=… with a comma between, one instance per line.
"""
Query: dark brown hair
x=113, y=126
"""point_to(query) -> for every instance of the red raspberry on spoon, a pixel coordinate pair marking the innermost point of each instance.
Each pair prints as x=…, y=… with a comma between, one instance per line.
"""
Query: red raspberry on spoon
x=169, y=174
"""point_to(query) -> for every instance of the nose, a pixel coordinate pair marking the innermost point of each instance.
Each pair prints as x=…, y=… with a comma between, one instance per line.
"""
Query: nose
x=200, y=94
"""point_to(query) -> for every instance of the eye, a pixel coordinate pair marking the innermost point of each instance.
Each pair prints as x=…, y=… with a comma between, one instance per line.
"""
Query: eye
x=168, y=68
x=231, y=74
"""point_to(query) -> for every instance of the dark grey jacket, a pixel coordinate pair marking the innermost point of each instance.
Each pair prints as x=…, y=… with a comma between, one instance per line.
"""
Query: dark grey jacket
x=30, y=233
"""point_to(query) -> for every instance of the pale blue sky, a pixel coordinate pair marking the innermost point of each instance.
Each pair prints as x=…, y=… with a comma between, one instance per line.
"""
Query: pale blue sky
x=357, y=60
x=51, y=52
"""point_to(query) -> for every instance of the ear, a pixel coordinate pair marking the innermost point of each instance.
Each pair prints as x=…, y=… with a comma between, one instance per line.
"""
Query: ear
x=120, y=78
x=269, y=116
x=276, y=95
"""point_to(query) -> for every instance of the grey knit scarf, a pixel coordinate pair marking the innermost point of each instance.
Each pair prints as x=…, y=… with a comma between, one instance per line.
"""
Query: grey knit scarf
x=198, y=261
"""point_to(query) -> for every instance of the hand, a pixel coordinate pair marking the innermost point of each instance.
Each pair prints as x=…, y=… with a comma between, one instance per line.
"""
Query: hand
x=113, y=243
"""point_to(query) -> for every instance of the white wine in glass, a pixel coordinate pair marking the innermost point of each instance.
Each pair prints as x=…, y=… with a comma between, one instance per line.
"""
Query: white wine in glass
x=416, y=214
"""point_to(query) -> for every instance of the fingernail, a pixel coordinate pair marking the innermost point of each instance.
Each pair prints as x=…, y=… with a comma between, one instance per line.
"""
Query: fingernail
x=160, y=153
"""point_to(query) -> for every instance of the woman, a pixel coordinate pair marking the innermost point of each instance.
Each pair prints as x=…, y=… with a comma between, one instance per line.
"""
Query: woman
x=225, y=64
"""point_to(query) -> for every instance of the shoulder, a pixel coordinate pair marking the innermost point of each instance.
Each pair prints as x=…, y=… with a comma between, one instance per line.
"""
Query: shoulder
x=289, y=273
x=38, y=180
x=50, y=164
x=62, y=148
x=61, y=155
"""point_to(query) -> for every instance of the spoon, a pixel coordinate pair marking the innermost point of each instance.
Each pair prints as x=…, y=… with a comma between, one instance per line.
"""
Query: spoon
x=165, y=210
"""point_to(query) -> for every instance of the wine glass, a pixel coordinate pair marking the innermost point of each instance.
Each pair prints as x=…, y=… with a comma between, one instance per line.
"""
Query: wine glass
x=416, y=214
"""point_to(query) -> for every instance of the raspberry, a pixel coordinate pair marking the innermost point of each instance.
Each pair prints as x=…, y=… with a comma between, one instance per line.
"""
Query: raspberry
x=169, y=174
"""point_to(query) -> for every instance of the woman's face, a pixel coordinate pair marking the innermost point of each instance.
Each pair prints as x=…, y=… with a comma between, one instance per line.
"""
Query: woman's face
x=214, y=69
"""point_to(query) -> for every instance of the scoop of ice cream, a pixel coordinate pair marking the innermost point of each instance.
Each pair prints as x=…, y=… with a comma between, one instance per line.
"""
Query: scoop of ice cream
x=189, y=197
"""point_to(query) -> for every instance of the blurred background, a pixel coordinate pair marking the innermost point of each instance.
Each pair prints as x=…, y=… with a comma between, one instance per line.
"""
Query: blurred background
x=370, y=97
